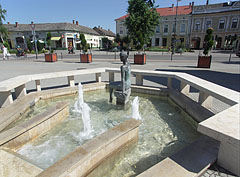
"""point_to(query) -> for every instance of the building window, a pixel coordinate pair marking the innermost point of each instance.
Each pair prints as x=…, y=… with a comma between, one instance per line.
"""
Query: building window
x=197, y=25
x=221, y=24
x=183, y=28
x=208, y=24
x=164, y=42
x=234, y=23
x=158, y=29
x=121, y=30
x=165, y=29
x=157, y=42
x=173, y=28
x=121, y=22
x=182, y=40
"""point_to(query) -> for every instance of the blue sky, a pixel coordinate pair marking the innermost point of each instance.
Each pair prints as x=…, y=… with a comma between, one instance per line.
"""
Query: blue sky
x=88, y=12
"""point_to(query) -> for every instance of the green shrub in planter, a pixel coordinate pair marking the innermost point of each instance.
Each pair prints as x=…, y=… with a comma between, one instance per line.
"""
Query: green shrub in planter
x=208, y=41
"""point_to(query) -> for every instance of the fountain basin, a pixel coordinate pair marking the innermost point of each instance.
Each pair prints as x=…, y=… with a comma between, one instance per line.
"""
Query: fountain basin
x=87, y=157
x=15, y=137
x=207, y=90
x=116, y=116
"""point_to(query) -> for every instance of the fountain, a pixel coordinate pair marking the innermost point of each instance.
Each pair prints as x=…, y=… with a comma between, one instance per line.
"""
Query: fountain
x=78, y=106
x=170, y=129
x=81, y=107
x=135, y=109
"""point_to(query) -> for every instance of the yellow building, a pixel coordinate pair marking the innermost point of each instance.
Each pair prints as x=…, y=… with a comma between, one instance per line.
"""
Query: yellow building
x=164, y=32
x=223, y=18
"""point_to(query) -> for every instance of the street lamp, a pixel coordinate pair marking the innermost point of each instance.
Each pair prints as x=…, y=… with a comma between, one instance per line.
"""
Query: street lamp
x=174, y=31
x=32, y=25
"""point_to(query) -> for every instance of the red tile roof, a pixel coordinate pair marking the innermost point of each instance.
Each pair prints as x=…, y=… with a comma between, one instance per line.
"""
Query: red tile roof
x=167, y=11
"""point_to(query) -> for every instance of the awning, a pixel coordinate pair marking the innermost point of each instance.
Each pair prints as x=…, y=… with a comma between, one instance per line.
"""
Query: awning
x=55, y=38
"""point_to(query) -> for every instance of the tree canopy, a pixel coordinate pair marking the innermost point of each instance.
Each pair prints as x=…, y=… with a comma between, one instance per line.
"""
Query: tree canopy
x=3, y=12
x=142, y=21
x=3, y=30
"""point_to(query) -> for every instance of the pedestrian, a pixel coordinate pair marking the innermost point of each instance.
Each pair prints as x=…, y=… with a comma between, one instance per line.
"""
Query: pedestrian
x=5, y=52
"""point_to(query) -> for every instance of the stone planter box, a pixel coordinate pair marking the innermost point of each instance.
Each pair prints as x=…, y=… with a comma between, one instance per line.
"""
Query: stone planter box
x=51, y=57
x=140, y=59
x=86, y=58
x=204, y=61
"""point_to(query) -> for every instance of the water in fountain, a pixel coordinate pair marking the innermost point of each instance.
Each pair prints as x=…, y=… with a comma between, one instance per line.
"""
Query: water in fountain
x=135, y=109
x=86, y=119
x=163, y=131
x=81, y=107
x=78, y=106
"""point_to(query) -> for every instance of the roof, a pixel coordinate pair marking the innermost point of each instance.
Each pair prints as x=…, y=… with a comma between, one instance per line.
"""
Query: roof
x=168, y=11
x=104, y=32
x=51, y=27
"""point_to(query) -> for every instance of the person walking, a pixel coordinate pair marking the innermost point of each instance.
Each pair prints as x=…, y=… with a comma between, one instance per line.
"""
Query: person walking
x=5, y=52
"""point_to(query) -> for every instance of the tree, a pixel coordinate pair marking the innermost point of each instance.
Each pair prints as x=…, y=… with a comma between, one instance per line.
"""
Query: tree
x=48, y=39
x=142, y=21
x=40, y=46
x=208, y=39
x=3, y=30
x=29, y=45
x=118, y=38
x=83, y=43
x=2, y=14
x=3, y=33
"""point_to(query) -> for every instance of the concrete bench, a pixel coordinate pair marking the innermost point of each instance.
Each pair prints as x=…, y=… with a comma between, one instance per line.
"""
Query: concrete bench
x=17, y=83
x=224, y=127
x=188, y=162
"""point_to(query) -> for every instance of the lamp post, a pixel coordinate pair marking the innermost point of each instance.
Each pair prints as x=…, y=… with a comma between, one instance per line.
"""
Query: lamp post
x=32, y=25
x=174, y=31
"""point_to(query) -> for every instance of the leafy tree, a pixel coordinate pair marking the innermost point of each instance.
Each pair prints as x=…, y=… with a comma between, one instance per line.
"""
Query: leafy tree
x=142, y=21
x=3, y=33
x=6, y=44
x=29, y=45
x=84, y=43
x=2, y=14
x=40, y=46
x=107, y=44
x=3, y=30
x=208, y=39
x=118, y=39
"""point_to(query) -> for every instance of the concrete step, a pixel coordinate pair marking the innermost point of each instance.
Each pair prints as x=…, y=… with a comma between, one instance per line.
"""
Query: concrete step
x=192, y=160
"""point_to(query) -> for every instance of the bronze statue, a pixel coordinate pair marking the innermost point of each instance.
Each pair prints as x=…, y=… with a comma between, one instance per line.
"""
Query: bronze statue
x=122, y=88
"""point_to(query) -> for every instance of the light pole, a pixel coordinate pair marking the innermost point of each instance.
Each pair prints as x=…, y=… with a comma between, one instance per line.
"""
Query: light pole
x=34, y=38
x=174, y=31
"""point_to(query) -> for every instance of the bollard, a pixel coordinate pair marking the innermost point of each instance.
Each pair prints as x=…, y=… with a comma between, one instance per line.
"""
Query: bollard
x=61, y=56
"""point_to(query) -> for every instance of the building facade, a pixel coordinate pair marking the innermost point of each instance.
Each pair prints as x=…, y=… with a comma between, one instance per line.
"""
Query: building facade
x=63, y=34
x=191, y=24
x=223, y=18
x=165, y=31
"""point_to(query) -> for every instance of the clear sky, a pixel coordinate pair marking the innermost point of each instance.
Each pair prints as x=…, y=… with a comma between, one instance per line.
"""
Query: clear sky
x=88, y=12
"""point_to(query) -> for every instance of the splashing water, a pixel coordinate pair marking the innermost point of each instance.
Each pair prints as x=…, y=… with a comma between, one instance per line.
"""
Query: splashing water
x=82, y=108
x=86, y=119
x=78, y=106
x=135, y=109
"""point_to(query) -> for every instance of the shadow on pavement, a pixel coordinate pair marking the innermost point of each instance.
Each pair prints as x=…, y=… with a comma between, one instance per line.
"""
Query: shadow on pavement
x=228, y=80
x=231, y=62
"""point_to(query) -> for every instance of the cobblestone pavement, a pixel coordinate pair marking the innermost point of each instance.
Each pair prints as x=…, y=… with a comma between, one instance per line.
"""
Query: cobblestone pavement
x=216, y=171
